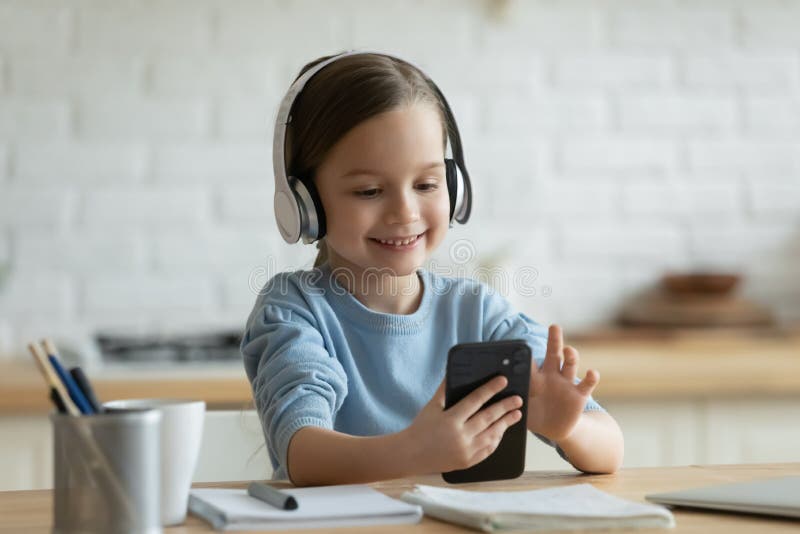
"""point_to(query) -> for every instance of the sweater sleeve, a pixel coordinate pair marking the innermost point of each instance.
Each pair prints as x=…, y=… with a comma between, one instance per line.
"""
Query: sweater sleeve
x=295, y=380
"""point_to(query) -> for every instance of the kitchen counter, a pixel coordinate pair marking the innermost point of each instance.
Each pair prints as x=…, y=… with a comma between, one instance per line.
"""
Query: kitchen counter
x=632, y=365
x=22, y=390
x=692, y=363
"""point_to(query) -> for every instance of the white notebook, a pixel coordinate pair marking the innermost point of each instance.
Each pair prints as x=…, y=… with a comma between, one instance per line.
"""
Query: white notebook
x=577, y=507
x=325, y=506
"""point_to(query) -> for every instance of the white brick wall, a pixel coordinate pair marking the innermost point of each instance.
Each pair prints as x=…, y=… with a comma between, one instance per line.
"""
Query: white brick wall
x=768, y=156
x=28, y=118
x=61, y=74
x=768, y=71
x=3, y=163
x=607, y=141
x=613, y=153
x=671, y=113
x=614, y=69
x=151, y=27
x=156, y=119
x=771, y=27
x=772, y=114
x=154, y=207
x=84, y=164
x=212, y=162
x=218, y=75
x=37, y=207
x=674, y=27
x=78, y=251
x=35, y=26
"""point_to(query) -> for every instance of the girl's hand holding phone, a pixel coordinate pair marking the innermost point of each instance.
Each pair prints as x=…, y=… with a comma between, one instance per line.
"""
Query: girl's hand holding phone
x=555, y=402
x=463, y=435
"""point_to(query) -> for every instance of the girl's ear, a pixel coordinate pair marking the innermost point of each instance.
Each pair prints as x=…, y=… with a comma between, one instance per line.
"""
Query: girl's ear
x=451, y=176
x=313, y=216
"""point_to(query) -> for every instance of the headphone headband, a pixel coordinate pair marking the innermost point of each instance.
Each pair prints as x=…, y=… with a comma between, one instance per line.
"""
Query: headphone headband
x=293, y=218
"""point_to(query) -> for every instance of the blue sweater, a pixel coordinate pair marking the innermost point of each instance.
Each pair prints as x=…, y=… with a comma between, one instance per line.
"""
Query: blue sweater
x=315, y=355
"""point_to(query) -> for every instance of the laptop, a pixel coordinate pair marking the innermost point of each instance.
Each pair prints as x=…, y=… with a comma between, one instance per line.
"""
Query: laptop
x=775, y=496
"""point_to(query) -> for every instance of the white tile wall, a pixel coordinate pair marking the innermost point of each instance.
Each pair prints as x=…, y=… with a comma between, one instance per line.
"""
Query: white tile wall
x=607, y=141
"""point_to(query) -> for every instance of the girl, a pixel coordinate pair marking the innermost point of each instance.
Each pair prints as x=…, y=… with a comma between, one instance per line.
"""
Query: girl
x=347, y=360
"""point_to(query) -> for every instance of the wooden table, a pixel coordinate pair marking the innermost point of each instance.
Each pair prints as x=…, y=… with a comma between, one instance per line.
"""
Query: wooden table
x=30, y=511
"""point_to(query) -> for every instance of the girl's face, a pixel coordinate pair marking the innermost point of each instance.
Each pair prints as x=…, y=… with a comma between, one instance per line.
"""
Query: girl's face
x=384, y=191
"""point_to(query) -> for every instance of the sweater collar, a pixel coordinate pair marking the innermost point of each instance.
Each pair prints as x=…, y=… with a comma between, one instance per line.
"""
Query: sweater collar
x=351, y=309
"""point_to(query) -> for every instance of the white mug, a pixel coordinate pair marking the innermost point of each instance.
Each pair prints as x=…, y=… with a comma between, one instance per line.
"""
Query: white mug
x=181, y=433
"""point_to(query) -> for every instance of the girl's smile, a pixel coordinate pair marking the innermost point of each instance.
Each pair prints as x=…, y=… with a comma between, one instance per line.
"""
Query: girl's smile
x=399, y=244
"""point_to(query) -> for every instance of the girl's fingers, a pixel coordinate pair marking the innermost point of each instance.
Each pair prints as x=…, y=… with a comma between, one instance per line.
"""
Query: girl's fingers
x=570, y=367
x=481, y=455
x=488, y=440
x=470, y=404
x=535, y=370
x=552, y=360
x=589, y=382
x=488, y=416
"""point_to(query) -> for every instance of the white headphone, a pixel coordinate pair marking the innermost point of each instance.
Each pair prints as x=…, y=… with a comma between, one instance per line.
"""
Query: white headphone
x=298, y=210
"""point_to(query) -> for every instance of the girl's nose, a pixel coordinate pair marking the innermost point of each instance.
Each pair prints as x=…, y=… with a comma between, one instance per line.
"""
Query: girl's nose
x=403, y=209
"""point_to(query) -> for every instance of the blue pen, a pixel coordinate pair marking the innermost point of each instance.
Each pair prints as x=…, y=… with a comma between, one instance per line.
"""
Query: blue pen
x=74, y=391
x=85, y=386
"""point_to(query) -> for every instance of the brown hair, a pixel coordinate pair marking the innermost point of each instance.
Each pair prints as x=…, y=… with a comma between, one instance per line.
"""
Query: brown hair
x=342, y=95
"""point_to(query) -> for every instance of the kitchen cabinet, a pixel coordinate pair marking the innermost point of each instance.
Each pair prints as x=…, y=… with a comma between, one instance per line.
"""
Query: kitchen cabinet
x=232, y=449
x=665, y=432
x=26, y=452
x=658, y=432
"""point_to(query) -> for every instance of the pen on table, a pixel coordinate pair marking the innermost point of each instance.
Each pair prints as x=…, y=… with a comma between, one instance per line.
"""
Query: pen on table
x=72, y=388
x=272, y=496
x=45, y=368
x=83, y=382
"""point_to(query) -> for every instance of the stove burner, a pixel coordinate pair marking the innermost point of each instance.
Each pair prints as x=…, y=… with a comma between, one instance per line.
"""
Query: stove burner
x=205, y=348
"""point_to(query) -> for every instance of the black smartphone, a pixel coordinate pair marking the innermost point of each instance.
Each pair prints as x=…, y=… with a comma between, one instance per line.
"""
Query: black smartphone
x=469, y=366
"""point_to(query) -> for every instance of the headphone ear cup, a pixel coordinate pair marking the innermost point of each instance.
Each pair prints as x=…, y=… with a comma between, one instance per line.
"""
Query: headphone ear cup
x=311, y=211
x=451, y=170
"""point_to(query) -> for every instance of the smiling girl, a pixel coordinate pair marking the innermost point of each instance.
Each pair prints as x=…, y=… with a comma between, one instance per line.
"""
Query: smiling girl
x=347, y=360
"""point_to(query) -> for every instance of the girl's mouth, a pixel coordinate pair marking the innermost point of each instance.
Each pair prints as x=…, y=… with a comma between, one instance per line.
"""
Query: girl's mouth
x=406, y=243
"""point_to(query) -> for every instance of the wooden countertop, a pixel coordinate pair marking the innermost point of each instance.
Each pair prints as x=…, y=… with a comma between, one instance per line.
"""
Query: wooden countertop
x=31, y=511
x=22, y=390
x=694, y=364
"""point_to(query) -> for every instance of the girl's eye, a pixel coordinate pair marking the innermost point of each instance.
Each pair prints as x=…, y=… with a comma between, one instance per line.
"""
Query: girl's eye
x=367, y=193
x=374, y=192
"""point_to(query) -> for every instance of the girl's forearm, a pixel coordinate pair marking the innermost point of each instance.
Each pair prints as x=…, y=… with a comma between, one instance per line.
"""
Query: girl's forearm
x=318, y=456
x=596, y=445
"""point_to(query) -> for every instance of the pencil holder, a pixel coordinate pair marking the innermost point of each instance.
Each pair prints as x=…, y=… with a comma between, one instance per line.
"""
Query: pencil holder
x=106, y=473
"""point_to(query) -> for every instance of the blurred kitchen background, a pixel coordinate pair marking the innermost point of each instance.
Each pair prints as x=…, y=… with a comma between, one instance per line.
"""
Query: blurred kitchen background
x=615, y=146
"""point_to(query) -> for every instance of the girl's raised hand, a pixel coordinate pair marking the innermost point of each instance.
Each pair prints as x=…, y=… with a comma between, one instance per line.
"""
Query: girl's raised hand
x=555, y=402
x=462, y=435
